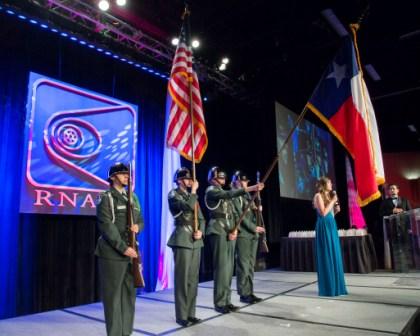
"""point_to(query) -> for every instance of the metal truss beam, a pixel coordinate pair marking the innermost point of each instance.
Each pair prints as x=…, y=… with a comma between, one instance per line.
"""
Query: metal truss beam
x=90, y=18
x=105, y=25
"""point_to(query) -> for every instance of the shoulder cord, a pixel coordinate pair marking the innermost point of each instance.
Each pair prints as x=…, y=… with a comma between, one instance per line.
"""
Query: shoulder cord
x=177, y=215
x=111, y=204
x=209, y=207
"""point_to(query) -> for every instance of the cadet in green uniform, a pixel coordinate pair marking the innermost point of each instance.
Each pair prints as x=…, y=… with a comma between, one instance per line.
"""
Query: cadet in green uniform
x=247, y=242
x=114, y=254
x=222, y=241
x=186, y=245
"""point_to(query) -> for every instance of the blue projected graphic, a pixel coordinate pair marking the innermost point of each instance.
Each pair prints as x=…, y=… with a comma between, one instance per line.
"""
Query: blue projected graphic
x=306, y=157
x=73, y=136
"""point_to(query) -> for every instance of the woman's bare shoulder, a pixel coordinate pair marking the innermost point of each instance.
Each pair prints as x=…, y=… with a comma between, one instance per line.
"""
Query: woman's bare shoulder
x=317, y=195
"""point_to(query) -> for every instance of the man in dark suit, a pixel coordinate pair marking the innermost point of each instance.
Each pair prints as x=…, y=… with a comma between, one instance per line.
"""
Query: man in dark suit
x=394, y=204
x=115, y=255
x=397, y=228
x=186, y=245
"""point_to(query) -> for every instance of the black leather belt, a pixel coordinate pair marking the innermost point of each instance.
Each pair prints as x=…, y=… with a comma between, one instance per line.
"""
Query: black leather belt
x=220, y=216
x=183, y=222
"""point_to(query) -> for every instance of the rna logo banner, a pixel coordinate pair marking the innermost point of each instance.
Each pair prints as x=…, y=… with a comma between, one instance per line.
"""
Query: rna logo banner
x=72, y=137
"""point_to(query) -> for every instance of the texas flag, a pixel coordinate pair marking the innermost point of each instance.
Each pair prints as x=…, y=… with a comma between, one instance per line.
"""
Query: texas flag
x=341, y=100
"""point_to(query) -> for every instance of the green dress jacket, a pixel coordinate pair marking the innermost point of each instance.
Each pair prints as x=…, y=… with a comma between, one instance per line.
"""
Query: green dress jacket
x=248, y=226
x=222, y=212
x=181, y=205
x=112, y=223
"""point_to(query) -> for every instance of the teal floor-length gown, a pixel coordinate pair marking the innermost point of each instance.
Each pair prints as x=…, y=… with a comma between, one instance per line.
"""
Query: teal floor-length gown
x=329, y=262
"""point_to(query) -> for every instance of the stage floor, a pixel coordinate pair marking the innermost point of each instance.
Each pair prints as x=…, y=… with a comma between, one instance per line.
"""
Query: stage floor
x=378, y=304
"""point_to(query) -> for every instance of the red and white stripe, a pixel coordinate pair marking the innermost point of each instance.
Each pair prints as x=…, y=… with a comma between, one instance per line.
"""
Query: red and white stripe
x=355, y=123
x=178, y=134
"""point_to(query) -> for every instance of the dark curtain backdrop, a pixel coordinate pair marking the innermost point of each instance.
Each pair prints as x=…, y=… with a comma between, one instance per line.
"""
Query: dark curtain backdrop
x=46, y=261
x=244, y=137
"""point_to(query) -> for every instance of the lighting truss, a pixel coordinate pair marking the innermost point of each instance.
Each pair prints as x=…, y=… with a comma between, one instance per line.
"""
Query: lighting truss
x=90, y=18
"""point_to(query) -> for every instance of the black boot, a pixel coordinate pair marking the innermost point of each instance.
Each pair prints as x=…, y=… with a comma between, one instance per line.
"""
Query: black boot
x=184, y=323
x=255, y=298
x=223, y=309
x=194, y=320
x=232, y=308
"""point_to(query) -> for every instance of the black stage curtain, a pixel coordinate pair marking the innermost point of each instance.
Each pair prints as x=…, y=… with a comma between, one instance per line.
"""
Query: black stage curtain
x=65, y=274
x=47, y=261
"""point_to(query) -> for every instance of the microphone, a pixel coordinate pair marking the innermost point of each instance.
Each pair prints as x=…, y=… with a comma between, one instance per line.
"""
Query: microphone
x=333, y=193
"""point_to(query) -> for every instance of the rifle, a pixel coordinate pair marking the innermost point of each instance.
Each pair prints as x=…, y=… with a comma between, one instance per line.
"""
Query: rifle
x=136, y=263
x=263, y=247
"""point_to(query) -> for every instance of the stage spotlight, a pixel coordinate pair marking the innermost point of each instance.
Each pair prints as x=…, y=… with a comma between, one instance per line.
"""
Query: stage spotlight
x=175, y=41
x=103, y=5
x=225, y=60
x=222, y=67
x=121, y=2
x=372, y=72
x=334, y=22
x=412, y=128
x=195, y=43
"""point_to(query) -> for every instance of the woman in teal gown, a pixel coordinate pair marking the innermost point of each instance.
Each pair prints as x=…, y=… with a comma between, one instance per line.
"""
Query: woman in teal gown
x=329, y=262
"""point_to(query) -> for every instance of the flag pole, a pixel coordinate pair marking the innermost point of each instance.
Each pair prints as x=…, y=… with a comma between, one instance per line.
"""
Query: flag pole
x=272, y=166
x=186, y=16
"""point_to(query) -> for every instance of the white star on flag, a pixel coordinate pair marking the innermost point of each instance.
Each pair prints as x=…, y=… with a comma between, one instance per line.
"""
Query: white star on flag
x=339, y=73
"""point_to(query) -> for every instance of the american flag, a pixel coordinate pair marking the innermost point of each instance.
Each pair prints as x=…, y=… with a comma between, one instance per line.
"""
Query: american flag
x=178, y=135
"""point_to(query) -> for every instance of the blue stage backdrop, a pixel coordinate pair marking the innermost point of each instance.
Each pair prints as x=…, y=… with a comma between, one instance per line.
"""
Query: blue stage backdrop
x=38, y=251
x=12, y=105
x=72, y=137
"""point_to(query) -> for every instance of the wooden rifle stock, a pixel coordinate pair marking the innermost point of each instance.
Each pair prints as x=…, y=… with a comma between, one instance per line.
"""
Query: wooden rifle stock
x=136, y=263
x=263, y=247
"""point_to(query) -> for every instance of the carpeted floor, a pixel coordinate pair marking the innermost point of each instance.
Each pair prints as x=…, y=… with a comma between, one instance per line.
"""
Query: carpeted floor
x=378, y=304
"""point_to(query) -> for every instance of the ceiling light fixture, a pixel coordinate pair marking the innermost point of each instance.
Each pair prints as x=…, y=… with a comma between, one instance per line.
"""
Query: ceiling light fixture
x=103, y=5
x=225, y=60
x=412, y=128
x=372, y=72
x=195, y=43
x=410, y=35
x=334, y=22
x=175, y=41
x=121, y=2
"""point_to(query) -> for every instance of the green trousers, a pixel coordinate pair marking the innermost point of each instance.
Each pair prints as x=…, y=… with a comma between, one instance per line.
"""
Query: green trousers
x=223, y=251
x=187, y=267
x=246, y=253
x=118, y=296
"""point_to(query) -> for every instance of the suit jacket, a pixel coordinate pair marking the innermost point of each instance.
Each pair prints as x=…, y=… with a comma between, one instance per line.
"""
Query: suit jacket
x=387, y=206
x=181, y=205
x=112, y=224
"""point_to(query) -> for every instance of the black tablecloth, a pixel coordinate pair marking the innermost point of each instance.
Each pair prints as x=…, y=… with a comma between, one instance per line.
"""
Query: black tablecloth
x=298, y=254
